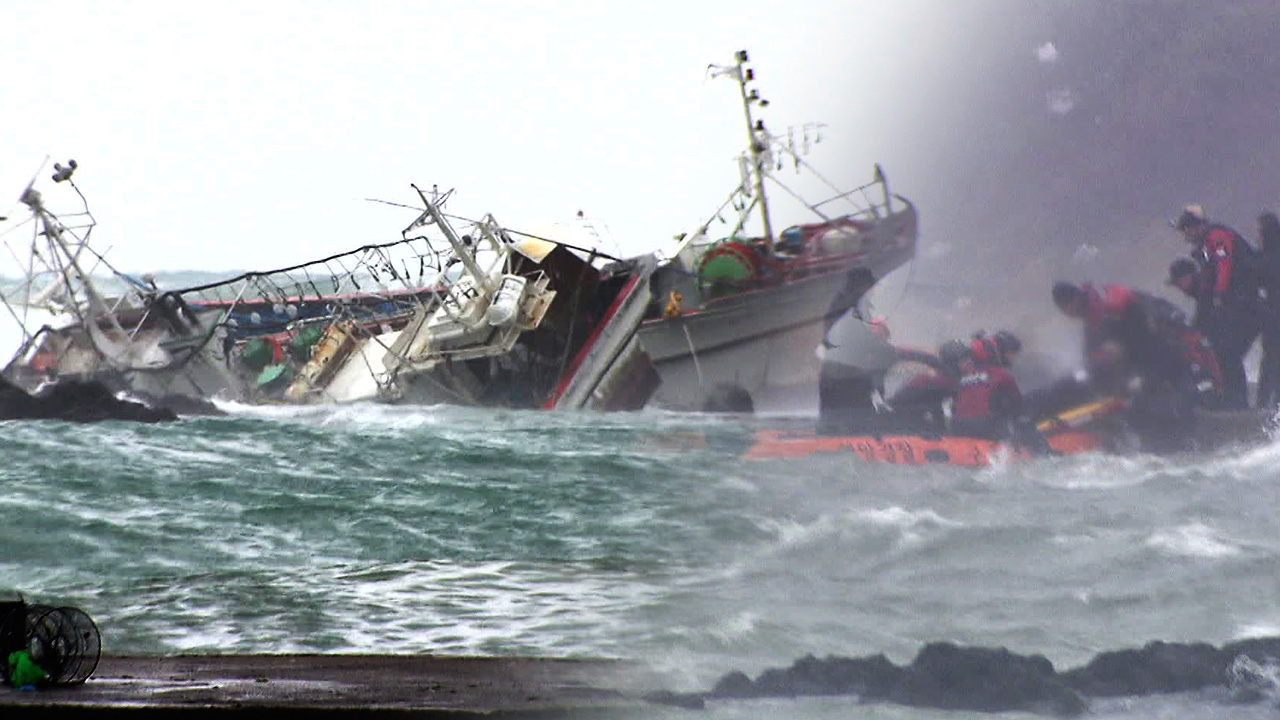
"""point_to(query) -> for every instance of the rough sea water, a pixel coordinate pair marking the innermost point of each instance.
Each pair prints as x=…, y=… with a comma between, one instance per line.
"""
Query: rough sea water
x=384, y=529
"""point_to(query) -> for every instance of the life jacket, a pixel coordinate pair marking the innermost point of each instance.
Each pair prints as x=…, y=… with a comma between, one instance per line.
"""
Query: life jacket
x=1106, y=319
x=1231, y=267
x=1104, y=306
x=989, y=391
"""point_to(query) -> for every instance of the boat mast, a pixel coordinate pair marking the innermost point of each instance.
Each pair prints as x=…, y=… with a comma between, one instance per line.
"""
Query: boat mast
x=55, y=232
x=460, y=249
x=756, y=144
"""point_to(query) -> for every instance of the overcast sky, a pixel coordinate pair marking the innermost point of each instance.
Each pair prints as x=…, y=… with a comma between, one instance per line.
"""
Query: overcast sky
x=247, y=135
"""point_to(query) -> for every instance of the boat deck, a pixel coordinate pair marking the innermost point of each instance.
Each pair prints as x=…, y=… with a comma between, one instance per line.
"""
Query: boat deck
x=416, y=686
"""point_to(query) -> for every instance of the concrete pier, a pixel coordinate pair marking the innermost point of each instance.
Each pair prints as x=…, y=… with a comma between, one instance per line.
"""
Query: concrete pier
x=409, y=686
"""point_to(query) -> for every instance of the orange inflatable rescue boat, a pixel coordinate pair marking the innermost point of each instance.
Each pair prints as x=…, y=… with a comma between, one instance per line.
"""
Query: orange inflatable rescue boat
x=1067, y=433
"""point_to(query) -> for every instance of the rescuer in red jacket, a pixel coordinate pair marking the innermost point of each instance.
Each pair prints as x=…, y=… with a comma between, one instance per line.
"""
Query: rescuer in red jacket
x=988, y=401
x=1140, y=346
x=1116, y=335
x=923, y=398
x=1130, y=333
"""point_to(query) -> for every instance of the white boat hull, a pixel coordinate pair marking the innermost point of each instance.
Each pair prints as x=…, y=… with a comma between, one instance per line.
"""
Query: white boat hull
x=764, y=339
x=763, y=342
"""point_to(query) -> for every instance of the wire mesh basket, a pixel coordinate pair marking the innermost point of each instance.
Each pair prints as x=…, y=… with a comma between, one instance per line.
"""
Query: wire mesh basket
x=62, y=641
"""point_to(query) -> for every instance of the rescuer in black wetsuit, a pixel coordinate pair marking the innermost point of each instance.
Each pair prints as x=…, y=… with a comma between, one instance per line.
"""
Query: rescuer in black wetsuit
x=1228, y=304
x=1269, y=277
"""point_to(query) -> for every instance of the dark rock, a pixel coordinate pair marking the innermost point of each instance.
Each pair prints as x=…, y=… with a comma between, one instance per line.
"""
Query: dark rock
x=1159, y=667
x=947, y=676
x=943, y=675
x=734, y=685
x=1260, y=650
x=691, y=701
x=870, y=677
x=728, y=398
x=74, y=400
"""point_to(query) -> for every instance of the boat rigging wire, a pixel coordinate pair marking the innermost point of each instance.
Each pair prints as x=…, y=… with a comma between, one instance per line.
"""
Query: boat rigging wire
x=521, y=233
x=911, y=272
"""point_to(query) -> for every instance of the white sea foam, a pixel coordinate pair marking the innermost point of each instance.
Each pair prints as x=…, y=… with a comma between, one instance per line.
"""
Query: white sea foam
x=362, y=414
x=909, y=526
x=188, y=452
x=441, y=607
x=1264, y=628
x=395, y=417
x=791, y=532
x=1195, y=540
x=739, y=484
x=1098, y=471
x=1261, y=459
x=912, y=526
x=467, y=608
x=903, y=518
x=735, y=626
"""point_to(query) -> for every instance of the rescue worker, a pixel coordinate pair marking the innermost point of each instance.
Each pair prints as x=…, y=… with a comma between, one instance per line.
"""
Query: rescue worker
x=1129, y=333
x=1186, y=375
x=988, y=401
x=956, y=358
x=1269, y=277
x=1192, y=347
x=1115, y=335
x=855, y=354
x=1141, y=346
x=921, y=401
x=1227, y=297
x=854, y=357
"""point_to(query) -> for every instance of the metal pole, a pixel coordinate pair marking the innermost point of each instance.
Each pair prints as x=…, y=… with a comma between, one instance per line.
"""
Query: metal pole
x=462, y=252
x=53, y=230
x=755, y=148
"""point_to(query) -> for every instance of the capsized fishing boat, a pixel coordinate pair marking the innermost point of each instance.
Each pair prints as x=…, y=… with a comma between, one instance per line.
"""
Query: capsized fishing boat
x=520, y=321
x=747, y=311
x=77, y=317
x=485, y=317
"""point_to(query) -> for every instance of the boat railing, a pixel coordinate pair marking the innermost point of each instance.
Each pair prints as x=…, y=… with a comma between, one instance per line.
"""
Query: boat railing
x=870, y=206
x=372, y=282
x=21, y=367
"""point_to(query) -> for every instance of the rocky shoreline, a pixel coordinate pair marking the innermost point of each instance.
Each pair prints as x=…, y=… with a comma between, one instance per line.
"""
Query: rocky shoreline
x=947, y=676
